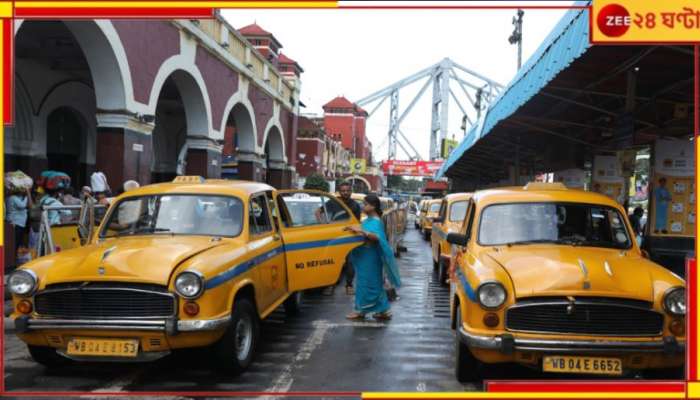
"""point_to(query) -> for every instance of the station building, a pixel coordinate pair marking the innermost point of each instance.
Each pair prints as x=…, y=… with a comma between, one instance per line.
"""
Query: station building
x=148, y=100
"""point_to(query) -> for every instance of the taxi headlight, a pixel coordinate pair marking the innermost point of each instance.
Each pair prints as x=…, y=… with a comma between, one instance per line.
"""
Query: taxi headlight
x=189, y=284
x=22, y=282
x=491, y=295
x=674, y=301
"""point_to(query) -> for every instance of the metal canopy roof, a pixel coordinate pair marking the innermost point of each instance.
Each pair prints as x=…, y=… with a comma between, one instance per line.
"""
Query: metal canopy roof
x=566, y=42
x=571, y=99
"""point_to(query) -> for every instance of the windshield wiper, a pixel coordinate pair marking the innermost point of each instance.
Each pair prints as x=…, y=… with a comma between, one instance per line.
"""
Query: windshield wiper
x=144, y=229
x=533, y=241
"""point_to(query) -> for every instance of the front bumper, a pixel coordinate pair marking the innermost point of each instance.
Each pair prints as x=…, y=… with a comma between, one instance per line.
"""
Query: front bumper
x=507, y=344
x=170, y=326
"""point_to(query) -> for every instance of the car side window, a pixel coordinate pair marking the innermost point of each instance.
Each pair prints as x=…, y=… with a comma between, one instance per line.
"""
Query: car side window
x=259, y=217
x=313, y=209
x=443, y=209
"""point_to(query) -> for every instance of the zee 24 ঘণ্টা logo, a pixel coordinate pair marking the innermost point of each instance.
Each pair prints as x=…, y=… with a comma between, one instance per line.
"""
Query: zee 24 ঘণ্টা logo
x=614, y=20
x=675, y=20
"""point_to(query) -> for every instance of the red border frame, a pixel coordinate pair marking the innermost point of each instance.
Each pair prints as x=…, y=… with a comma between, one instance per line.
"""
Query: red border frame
x=495, y=386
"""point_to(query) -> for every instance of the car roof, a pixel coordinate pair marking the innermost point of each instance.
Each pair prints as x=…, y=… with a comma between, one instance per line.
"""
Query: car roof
x=458, y=196
x=237, y=188
x=541, y=192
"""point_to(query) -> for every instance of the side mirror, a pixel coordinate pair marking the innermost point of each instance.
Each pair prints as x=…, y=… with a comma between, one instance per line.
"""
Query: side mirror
x=645, y=254
x=438, y=220
x=457, y=238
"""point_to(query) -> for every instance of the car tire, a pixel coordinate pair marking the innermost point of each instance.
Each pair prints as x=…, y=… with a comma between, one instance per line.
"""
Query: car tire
x=292, y=306
x=426, y=235
x=435, y=265
x=235, y=350
x=467, y=367
x=47, y=356
x=442, y=272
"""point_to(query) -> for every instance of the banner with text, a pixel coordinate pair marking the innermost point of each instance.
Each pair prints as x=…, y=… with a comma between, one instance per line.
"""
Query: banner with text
x=672, y=200
x=411, y=168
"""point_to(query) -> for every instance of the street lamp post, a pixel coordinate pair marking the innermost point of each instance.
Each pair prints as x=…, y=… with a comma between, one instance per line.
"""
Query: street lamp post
x=517, y=36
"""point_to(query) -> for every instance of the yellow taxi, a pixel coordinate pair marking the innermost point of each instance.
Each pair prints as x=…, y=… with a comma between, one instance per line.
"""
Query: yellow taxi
x=553, y=278
x=190, y=263
x=427, y=213
x=450, y=217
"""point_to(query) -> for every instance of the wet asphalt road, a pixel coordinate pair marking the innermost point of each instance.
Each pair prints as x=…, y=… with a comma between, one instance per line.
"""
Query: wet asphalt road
x=318, y=350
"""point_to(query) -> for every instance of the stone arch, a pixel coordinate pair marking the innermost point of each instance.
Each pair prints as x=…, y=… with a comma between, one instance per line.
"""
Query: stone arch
x=180, y=111
x=274, y=144
x=79, y=98
x=191, y=85
x=239, y=112
x=106, y=57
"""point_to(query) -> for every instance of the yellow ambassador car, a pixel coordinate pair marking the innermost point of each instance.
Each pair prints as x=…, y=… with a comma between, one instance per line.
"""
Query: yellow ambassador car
x=553, y=279
x=191, y=263
x=450, y=218
x=427, y=213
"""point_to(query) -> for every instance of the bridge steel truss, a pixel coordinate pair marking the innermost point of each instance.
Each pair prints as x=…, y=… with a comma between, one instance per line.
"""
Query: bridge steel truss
x=479, y=90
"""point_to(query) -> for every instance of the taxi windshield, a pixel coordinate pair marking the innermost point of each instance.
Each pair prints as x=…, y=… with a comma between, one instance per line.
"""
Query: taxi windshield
x=458, y=211
x=435, y=207
x=180, y=214
x=558, y=223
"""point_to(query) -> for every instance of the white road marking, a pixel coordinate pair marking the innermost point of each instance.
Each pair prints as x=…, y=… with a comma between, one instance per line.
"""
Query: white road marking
x=284, y=380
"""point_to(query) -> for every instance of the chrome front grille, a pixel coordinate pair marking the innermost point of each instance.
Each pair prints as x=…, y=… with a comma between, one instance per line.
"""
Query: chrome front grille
x=105, y=301
x=585, y=316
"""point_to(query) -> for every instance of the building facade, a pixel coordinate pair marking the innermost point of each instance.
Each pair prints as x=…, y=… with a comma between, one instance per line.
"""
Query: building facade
x=148, y=100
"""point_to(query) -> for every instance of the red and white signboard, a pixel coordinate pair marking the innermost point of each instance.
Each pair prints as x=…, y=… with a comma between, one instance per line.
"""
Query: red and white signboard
x=411, y=168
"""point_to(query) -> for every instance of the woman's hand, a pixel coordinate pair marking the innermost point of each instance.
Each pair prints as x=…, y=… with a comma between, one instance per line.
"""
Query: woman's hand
x=354, y=229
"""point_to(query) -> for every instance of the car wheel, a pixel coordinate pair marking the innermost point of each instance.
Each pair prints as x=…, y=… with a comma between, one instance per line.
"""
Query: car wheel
x=442, y=272
x=426, y=235
x=467, y=367
x=236, y=348
x=292, y=306
x=47, y=356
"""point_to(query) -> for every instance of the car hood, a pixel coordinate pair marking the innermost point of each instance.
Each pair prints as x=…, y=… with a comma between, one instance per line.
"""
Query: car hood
x=136, y=259
x=559, y=270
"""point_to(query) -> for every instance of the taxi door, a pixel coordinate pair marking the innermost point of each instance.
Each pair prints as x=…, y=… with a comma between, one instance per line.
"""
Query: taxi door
x=312, y=225
x=438, y=228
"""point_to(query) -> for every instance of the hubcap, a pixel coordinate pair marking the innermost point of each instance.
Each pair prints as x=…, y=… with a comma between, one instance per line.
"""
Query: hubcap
x=244, y=337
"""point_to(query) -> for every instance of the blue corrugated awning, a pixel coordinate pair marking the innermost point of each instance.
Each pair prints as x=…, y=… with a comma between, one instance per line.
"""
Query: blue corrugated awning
x=564, y=44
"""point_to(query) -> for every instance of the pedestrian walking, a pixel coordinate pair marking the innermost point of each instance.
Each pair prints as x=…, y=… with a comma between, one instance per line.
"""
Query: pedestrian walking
x=636, y=222
x=371, y=261
x=98, y=183
x=85, y=193
x=345, y=191
x=51, y=199
x=18, y=204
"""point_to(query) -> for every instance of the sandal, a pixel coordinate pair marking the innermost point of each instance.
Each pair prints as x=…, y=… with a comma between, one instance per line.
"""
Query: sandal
x=355, y=316
x=349, y=290
x=383, y=316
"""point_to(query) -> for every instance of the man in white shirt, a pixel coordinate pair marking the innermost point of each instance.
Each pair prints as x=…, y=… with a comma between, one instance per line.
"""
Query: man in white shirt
x=98, y=181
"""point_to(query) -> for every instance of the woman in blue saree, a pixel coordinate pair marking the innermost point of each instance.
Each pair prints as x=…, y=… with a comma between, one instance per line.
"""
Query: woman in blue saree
x=372, y=261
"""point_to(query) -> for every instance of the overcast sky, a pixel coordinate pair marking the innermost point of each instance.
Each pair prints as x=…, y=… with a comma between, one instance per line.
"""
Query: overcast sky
x=357, y=52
